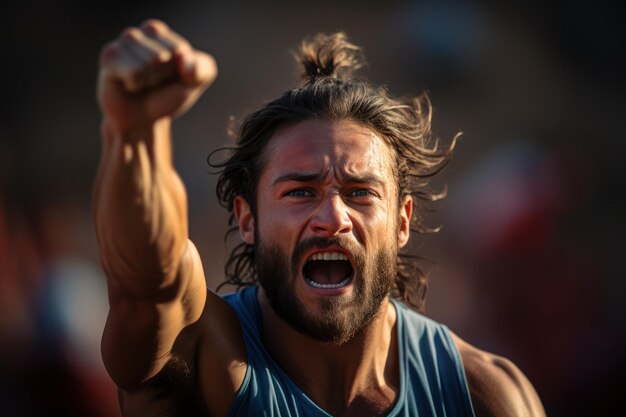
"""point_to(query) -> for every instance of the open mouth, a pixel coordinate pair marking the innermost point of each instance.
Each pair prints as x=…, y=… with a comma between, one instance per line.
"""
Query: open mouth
x=328, y=270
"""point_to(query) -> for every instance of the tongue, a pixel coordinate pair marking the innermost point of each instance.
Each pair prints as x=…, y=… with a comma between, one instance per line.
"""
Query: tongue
x=327, y=272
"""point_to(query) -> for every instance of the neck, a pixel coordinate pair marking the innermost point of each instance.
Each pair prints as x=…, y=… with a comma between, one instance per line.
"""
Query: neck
x=346, y=379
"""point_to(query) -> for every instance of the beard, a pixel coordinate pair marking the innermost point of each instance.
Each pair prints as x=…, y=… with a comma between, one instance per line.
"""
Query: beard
x=339, y=318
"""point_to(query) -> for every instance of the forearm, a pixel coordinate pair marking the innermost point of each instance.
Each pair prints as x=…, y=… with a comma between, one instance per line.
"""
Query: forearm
x=140, y=210
x=156, y=286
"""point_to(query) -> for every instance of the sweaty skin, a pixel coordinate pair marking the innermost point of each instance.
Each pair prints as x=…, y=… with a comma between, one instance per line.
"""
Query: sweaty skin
x=329, y=179
x=175, y=348
x=162, y=324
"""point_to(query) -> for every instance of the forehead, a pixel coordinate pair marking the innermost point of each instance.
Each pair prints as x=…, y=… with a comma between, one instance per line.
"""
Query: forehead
x=316, y=145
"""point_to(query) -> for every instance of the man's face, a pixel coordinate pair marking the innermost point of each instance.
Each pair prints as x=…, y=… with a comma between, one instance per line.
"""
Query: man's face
x=328, y=227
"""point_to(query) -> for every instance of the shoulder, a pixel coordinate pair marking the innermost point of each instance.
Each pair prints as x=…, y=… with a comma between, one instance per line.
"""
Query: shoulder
x=497, y=386
x=203, y=371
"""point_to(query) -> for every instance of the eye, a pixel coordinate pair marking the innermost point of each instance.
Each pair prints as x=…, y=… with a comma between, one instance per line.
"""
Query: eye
x=298, y=192
x=361, y=192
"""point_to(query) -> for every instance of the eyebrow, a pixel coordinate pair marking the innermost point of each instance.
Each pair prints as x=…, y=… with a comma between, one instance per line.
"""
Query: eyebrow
x=318, y=177
x=299, y=177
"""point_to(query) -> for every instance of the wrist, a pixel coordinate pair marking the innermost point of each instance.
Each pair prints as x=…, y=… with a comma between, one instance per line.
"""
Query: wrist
x=112, y=131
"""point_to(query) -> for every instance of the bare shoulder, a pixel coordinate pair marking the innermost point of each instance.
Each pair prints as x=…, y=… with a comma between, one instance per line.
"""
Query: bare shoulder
x=497, y=386
x=203, y=371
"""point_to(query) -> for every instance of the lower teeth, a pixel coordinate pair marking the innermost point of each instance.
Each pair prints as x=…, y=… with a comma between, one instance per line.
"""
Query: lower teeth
x=338, y=285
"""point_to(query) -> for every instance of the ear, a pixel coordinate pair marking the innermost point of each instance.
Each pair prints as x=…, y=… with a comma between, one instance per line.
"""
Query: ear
x=404, y=229
x=245, y=219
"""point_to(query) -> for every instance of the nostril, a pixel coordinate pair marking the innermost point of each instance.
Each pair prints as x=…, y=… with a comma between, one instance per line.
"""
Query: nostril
x=332, y=217
x=331, y=228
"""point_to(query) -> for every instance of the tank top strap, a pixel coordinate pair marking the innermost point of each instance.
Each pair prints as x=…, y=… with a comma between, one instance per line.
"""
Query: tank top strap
x=432, y=376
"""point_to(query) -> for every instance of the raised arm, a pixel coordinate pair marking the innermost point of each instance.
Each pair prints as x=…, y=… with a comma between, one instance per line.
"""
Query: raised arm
x=148, y=76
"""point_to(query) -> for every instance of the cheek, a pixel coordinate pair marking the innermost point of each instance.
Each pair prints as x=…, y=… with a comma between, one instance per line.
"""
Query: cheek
x=377, y=228
x=279, y=225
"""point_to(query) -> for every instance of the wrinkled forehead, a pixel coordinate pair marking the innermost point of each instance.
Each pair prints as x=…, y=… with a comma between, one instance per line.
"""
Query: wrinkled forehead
x=344, y=147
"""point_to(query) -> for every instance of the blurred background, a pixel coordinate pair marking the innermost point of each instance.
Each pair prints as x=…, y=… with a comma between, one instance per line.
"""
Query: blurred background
x=529, y=260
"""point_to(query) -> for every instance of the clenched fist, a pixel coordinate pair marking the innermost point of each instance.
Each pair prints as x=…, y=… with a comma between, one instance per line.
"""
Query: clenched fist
x=150, y=73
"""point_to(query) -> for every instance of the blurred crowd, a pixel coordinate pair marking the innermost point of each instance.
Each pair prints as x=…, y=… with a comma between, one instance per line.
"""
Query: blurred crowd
x=529, y=260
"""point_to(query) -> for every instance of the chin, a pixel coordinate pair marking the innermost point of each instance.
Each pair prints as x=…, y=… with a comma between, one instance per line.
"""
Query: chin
x=328, y=315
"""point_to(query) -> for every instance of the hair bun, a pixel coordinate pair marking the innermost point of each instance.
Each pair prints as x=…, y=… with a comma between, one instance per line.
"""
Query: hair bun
x=328, y=56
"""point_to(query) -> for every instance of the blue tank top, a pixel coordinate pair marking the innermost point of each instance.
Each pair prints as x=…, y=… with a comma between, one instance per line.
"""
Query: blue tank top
x=432, y=379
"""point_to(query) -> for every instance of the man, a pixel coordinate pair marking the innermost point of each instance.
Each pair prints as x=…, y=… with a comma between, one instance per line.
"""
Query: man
x=321, y=187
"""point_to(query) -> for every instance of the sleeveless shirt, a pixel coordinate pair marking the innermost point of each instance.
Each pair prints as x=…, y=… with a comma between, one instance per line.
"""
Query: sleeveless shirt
x=432, y=378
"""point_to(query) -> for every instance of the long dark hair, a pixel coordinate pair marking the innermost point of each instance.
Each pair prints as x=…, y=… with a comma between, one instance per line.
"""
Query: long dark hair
x=330, y=92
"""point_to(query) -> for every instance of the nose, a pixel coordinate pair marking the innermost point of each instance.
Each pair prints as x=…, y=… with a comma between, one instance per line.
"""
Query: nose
x=331, y=218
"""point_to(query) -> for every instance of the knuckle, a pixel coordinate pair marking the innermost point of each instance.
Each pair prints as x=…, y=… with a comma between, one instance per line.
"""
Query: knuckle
x=162, y=56
x=131, y=34
x=177, y=42
x=155, y=57
x=183, y=43
x=182, y=47
x=154, y=27
x=179, y=50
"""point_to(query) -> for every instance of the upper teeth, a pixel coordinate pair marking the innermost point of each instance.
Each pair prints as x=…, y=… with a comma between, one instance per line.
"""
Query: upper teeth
x=329, y=256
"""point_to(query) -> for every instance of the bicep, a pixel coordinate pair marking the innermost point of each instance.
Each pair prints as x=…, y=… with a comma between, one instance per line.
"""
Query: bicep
x=141, y=331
